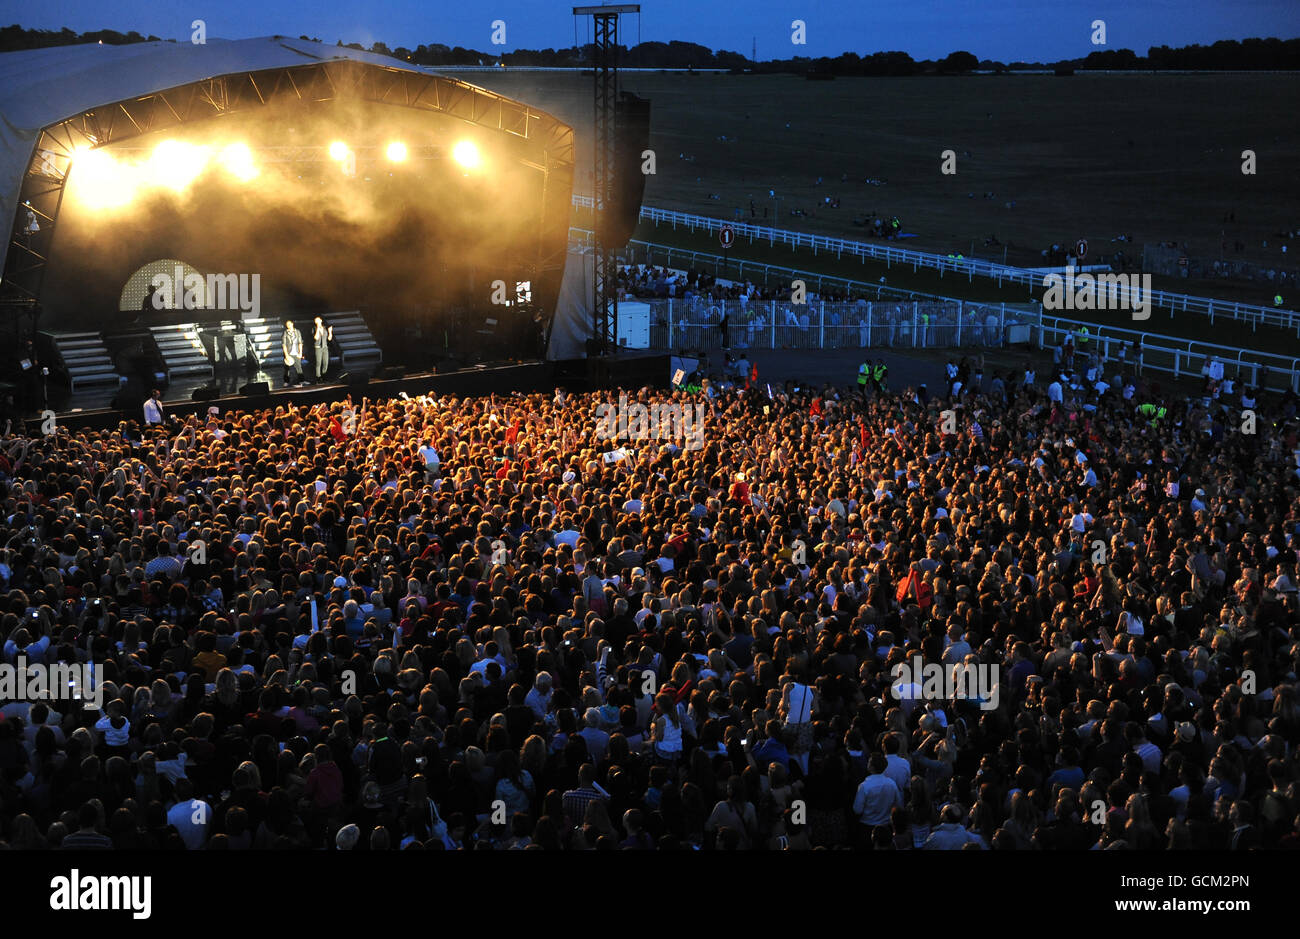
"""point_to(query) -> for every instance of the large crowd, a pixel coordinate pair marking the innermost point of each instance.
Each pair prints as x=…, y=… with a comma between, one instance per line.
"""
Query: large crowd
x=477, y=623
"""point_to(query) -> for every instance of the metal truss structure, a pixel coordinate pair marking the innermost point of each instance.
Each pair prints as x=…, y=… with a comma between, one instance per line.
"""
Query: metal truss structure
x=604, y=307
x=315, y=154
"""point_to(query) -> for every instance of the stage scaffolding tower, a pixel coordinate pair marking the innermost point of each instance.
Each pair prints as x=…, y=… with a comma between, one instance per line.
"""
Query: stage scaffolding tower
x=604, y=308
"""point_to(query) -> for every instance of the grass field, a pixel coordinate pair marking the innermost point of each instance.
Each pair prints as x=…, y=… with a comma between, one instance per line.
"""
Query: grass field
x=1156, y=157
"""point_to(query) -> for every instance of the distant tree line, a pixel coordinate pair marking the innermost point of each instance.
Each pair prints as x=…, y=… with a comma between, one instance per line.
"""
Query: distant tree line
x=1225, y=55
x=13, y=38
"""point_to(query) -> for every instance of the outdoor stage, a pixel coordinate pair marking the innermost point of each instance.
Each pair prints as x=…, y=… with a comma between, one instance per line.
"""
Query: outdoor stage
x=171, y=203
x=155, y=188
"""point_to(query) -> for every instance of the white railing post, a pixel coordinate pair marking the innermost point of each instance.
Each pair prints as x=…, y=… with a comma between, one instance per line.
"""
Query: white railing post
x=670, y=323
x=960, y=307
x=870, y=338
x=821, y=325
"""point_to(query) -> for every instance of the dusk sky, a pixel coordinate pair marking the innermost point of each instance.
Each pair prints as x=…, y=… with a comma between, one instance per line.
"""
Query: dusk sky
x=1006, y=30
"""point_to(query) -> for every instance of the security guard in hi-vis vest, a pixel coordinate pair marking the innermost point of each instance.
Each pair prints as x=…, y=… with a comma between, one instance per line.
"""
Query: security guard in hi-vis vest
x=864, y=373
x=1151, y=413
x=879, y=375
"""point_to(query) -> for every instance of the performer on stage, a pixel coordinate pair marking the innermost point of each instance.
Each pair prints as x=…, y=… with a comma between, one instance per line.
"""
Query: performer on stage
x=292, y=345
x=322, y=336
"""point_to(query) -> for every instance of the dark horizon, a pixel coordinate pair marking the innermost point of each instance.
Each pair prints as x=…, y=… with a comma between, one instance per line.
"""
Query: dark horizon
x=1252, y=53
x=1003, y=31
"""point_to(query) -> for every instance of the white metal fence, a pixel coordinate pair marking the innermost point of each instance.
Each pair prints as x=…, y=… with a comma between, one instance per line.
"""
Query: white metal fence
x=1181, y=358
x=645, y=252
x=1248, y=313
x=695, y=324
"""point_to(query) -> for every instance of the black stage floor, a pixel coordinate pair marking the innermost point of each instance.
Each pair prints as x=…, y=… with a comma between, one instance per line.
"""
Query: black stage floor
x=182, y=388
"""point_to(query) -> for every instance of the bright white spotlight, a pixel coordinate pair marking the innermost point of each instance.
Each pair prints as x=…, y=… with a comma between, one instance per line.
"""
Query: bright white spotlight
x=98, y=181
x=397, y=151
x=466, y=154
x=175, y=164
x=338, y=150
x=237, y=159
x=85, y=159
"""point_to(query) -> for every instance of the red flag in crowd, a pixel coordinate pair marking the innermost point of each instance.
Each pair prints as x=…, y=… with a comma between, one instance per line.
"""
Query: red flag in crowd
x=915, y=586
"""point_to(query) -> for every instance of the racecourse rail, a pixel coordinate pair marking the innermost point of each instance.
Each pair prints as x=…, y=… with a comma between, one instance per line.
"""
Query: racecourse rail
x=952, y=322
x=970, y=267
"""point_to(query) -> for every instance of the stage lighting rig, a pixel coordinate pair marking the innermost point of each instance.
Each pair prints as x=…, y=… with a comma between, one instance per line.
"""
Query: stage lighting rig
x=466, y=153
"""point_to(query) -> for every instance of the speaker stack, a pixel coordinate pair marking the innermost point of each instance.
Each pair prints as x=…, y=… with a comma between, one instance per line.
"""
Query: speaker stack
x=631, y=139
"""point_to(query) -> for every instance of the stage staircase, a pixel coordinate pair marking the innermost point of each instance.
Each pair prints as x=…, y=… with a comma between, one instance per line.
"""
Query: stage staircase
x=181, y=349
x=84, y=359
x=352, y=335
x=265, y=337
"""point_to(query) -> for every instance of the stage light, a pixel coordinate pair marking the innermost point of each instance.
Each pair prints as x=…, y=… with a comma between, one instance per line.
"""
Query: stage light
x=98, y=181
x=397, y=151
x=175, y=164
x=237, y=160
x=86, y=159
x=466, y=154
x=338, y=150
